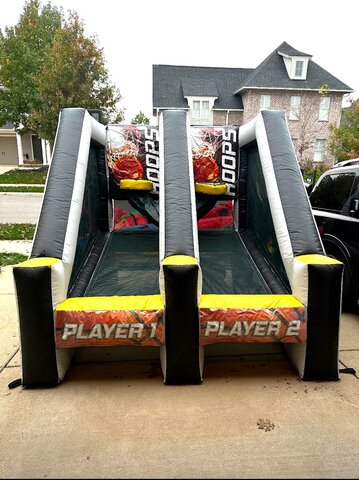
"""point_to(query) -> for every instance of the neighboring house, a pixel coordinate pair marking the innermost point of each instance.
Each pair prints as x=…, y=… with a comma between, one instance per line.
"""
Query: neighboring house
x=286, y=80
x=24, y=149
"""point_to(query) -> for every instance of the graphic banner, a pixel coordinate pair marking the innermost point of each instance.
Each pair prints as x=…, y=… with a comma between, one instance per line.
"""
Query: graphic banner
x=246, y=325
x=215, y=157
x=109, y=328
x=132, y=153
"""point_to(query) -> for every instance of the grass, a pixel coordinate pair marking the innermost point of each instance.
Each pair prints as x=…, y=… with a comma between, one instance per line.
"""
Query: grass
x=17, y=231
x=20, y=231
x=11, y=258
x=22, y=189
x=35, y=175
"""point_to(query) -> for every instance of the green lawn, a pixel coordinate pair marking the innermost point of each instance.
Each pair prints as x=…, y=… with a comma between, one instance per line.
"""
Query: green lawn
x=22, y=189
x=29, y=175
x=20, y=231
x=17, y=231
x=11, y=258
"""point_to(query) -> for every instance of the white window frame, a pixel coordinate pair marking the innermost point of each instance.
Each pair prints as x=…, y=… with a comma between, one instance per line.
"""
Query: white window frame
x=203, y=111
x=265, y=102
x=197, y=120
x=319, y=149
x=294, y=107
x=194, y=110
x=324, y=109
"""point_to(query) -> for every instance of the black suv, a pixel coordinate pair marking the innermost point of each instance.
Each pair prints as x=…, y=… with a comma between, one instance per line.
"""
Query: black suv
x=335, y=204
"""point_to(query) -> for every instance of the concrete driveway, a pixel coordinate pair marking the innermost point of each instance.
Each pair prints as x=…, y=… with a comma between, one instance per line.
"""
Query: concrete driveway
x=251, y=418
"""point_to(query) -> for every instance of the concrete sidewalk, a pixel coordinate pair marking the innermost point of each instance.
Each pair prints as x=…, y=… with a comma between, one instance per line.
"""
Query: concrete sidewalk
x=251, y=418
x=16, y=246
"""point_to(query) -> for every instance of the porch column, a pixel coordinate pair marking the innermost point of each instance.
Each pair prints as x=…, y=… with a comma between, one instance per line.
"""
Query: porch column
x=20, y=152
x=48, y=152
x=44, y=153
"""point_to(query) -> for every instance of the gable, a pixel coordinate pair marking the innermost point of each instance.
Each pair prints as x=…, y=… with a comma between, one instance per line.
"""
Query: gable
x=277, y=71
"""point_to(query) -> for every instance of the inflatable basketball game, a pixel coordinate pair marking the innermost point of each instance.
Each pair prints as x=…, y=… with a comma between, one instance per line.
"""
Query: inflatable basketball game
x=228, y=250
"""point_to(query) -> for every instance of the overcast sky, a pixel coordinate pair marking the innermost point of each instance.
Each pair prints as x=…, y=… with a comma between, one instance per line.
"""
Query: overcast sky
x=135, y=34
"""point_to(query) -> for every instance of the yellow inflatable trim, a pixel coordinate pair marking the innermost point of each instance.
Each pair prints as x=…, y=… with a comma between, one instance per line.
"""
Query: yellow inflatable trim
x=39, y=262
x=249, y=301
x=130, y=302
x=318, y=260
x=129, y=184
x=211, y=188
x=180, y=260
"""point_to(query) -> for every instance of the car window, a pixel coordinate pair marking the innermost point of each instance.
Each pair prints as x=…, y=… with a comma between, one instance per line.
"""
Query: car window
x=333, y=191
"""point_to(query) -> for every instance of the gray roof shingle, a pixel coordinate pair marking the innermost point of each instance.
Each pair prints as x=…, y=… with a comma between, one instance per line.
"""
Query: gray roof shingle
x=172, y=82
x=292, y=52
x=190, y=87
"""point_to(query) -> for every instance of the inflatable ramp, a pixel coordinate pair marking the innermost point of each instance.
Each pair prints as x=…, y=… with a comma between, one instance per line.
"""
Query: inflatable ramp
x=230, y=253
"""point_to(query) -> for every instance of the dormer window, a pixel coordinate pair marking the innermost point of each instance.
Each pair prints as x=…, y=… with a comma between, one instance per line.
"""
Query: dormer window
x=297, y=68
x=201, y=110
x=296, y=64
x=299, y=64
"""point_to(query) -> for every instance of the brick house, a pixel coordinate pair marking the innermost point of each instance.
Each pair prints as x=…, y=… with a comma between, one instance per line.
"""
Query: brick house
x=286, y=80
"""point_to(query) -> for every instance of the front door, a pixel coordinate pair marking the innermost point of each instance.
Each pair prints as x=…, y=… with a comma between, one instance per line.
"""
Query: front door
x=37, y=149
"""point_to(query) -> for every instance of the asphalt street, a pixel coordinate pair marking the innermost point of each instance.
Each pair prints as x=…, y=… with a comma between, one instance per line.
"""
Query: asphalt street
x=20, y=207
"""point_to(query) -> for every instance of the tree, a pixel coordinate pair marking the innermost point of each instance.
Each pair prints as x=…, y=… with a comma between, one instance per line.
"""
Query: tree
x=21, y=56
x=140, y=119
x=49, y=64
x=305, y=135
x=344, y=140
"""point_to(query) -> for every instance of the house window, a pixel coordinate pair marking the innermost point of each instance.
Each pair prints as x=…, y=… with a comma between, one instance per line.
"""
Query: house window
x=299, y=68
x=324, y=109
x=265, y=101
x=200, y=109
x=294, y=107
x=320, y=145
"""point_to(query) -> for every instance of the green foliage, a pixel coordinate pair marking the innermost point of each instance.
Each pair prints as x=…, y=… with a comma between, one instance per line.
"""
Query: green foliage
x=344, y=140
x=21, y=57
x=17, y=231
x=324, y=89
x=48, y=64
x=11, y=258
x=312, y=171
x=140, y=119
